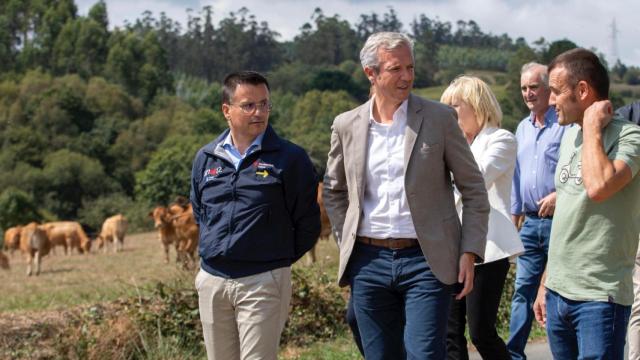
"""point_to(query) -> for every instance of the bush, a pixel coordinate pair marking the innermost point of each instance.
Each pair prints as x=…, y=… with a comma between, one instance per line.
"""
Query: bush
x=317, y=308
x=163, y=321
x=16, y=208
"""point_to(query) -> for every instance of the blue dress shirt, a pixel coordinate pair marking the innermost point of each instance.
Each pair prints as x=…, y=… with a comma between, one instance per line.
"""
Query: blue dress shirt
x=234, y=154
x=536, y=161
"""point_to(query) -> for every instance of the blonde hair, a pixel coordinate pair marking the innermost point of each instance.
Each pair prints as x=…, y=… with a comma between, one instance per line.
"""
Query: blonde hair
x=477, y=94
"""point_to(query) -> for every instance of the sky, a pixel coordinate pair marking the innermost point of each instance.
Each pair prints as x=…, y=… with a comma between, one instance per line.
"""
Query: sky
x=588, y=23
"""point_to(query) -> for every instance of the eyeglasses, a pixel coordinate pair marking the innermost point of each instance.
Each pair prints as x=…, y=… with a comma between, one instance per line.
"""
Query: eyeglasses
x=250, y=108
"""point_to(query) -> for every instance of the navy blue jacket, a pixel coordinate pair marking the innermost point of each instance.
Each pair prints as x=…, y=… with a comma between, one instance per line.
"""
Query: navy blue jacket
x=630, y=112
x=260, y=217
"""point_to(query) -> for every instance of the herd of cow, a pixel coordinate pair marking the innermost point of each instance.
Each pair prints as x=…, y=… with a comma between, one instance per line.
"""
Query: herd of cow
x=36, y=240
x=175, y=225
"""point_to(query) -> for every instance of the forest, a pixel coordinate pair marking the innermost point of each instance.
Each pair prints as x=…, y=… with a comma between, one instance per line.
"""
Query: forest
x=96, y=120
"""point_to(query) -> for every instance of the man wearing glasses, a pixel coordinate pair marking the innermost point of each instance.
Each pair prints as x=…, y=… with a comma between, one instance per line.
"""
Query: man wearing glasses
x=254, y=198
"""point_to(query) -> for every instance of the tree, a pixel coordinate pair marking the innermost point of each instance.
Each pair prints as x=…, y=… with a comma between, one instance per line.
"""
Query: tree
x=39, y=52
x=17, y=208
x=424, y=34
x=168, y=173
x=334, y=80
x=370, y=24
x=138, y=62
x=330, y=43
x=72, y=178
x=311, y=120
x=619, y=69
x=556, y=48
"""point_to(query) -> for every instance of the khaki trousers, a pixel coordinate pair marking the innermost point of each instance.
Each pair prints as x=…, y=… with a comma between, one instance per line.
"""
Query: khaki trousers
x=634, y=320
x=243, y=318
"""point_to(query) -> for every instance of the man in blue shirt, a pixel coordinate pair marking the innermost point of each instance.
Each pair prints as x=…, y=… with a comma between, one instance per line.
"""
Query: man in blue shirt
x=533, y=197
x=254, y=199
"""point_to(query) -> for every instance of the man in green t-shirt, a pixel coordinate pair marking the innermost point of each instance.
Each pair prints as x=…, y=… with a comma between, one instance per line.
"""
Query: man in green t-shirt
x=588, y=290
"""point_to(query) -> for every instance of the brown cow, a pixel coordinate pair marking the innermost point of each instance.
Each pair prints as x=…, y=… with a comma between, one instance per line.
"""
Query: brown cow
x=325, y=227
x=166, y=232
x=113, y=231
x=187, y=233
x=4, y=261
x=34, y=244
x=68, y=234
x=12, y=239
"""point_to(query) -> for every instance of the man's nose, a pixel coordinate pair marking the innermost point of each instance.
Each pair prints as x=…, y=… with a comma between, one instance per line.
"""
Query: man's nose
x=407, y=74
x=552, y=100
x=529, y=92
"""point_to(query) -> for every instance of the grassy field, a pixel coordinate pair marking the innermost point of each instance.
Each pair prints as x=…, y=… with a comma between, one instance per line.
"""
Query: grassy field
x=76, y=280
x=84, y=280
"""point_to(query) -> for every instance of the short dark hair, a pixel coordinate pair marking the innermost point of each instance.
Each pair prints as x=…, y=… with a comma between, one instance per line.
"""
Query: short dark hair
x=582, y=64
x=234, y=79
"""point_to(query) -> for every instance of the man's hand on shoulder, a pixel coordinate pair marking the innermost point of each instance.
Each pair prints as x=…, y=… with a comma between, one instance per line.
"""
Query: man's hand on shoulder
x=598, y=115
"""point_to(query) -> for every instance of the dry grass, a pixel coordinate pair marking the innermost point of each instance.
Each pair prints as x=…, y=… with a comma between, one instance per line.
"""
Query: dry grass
x=85, y=279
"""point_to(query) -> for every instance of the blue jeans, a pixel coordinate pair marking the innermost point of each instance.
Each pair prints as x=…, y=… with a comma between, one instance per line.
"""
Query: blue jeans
x=400, y=306
x=586, y=329
x=535, y=234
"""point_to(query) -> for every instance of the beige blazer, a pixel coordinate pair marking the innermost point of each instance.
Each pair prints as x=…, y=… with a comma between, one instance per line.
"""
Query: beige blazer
x=434, y=149
x=495, y=152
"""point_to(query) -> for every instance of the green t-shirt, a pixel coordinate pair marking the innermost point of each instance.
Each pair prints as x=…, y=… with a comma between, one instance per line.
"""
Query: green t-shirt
x=593, y=245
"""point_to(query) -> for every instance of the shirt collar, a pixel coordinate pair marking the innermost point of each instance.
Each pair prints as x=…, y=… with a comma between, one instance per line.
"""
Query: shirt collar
x=255, y=145
x=548, y=116
x=399, y=116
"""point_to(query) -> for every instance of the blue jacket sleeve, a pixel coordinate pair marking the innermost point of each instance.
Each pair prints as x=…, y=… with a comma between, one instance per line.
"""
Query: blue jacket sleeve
x=301, y=190
x=194, y=194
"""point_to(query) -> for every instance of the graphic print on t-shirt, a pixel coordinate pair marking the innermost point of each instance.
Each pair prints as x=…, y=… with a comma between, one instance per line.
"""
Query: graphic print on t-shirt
x=572, y=170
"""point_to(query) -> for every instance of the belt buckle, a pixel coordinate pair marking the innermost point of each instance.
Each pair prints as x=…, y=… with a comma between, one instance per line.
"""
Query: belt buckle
x=393, y=245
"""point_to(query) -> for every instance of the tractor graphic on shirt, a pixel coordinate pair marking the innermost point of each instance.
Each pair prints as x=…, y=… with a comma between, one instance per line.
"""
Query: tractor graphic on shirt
x=573, y=170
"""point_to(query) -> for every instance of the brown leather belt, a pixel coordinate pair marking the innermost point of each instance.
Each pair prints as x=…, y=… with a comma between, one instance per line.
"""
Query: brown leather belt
x=391, y=243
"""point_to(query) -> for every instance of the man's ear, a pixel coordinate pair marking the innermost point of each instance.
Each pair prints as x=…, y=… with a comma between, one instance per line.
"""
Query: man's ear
x=225, y=111
x=584, y=90
x=371, y=74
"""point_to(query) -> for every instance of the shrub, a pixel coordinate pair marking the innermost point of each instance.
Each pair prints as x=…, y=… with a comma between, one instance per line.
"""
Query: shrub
x=317, y=308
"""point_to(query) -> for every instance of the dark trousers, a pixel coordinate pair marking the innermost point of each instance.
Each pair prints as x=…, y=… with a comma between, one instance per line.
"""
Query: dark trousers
x=480, y=310
x=400, y=306
x=353, y=325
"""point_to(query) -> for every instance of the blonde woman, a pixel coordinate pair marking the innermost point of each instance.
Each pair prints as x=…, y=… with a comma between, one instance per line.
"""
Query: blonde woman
x=494, y=149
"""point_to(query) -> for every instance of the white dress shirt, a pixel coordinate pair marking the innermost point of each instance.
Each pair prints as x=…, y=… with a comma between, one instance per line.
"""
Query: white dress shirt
x=385, y=209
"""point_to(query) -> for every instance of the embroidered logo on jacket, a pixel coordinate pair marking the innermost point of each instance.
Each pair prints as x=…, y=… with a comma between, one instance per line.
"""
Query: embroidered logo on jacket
x=262, y=168
x=212, y=173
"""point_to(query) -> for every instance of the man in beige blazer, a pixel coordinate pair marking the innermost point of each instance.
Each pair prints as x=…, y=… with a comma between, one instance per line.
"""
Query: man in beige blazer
x=388, y=192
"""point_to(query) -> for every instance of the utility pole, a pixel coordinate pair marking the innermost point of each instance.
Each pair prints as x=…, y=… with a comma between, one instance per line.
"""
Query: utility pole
x=615, y=55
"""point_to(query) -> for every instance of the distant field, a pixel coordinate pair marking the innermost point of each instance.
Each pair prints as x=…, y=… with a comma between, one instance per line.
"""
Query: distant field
x=84, y=279
x=629, y=93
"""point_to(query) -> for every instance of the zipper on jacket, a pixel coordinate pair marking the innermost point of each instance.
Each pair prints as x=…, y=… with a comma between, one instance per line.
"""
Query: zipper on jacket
x=234, y=180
